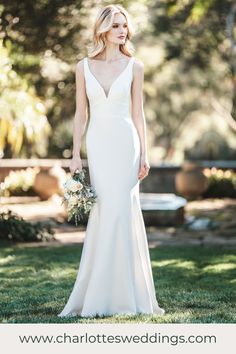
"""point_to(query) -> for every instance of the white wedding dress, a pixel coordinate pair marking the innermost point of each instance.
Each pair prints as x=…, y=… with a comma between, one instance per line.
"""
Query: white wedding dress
x=115, y=275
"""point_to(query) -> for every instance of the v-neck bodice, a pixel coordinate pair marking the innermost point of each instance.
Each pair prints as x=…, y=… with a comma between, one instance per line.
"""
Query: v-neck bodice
x=117, y=101
x=114, y=80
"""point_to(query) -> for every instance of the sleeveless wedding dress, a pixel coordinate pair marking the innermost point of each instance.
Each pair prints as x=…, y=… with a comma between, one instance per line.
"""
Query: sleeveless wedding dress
x=115, y=275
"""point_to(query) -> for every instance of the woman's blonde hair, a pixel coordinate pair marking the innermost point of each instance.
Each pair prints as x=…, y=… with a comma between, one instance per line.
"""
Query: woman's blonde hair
x=103, y=24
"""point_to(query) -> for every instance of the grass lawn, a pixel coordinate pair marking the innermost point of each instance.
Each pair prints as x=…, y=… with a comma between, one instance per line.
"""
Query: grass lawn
x=194, y=284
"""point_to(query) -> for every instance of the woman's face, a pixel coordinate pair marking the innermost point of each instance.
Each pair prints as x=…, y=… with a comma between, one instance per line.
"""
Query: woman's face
x=118, y=32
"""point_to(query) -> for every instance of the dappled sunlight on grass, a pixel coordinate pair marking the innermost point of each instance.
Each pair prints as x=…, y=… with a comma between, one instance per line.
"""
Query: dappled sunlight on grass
x=164, y=263
x=176, y=262
x=193, y=284
x=218, y=268
x=7, y=260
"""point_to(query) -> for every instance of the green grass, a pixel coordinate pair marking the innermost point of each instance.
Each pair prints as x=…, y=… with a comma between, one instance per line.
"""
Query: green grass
x=194, y=284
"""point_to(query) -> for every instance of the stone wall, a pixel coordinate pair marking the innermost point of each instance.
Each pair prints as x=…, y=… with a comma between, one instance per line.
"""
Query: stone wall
x=161, y=178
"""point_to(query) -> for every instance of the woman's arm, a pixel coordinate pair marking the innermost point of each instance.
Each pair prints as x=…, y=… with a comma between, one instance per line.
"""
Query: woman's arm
x=80, y=118
x=138, y=116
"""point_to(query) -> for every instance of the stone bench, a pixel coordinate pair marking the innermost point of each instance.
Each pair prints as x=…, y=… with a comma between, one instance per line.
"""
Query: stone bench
x=162, y=209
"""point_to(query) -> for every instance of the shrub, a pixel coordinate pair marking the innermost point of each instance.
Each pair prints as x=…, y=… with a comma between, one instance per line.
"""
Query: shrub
x=19, y=183
x=14, y=228
x=221, y=183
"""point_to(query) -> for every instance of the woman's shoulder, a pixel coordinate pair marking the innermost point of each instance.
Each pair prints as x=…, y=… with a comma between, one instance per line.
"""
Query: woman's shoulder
x=81, y=61
x=138, y=66
x=79, y=66
x=138, y=63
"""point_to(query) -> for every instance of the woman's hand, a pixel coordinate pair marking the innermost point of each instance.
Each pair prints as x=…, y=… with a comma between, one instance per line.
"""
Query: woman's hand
x=144, y=167
x=75, y=163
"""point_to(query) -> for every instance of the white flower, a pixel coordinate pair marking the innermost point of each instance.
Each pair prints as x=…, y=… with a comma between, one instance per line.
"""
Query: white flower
x=66, y=196
x=73, y=201
x=73, y=185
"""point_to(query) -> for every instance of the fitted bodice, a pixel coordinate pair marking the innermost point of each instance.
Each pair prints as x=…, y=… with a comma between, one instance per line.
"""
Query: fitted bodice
x=118, y=99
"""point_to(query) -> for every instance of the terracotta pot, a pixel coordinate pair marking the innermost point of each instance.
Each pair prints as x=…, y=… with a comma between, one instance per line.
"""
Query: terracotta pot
x=49, y=182
x=190, y=181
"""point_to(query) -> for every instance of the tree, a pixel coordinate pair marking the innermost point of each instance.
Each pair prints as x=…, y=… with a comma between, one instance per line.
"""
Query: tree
x=197, y=68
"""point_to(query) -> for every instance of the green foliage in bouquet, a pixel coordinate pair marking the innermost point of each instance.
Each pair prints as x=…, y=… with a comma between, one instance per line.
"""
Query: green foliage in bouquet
x=79, y=196
x=14, y=228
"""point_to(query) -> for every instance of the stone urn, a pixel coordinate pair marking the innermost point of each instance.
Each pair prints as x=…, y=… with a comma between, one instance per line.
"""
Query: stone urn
x=49, y=182
x=190, y=182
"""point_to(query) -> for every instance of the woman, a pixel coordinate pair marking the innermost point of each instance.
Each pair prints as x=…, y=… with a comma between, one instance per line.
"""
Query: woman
x=115, y=275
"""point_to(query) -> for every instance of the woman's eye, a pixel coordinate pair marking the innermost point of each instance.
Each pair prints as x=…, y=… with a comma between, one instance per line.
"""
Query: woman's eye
x=115, y=26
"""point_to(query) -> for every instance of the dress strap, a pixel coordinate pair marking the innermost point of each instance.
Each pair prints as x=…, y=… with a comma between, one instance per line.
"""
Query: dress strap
x=131, y=67
x=86, y=71
x=85, y=60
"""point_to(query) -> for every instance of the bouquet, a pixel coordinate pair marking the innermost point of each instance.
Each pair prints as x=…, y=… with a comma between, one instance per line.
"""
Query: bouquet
x=78, y=195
